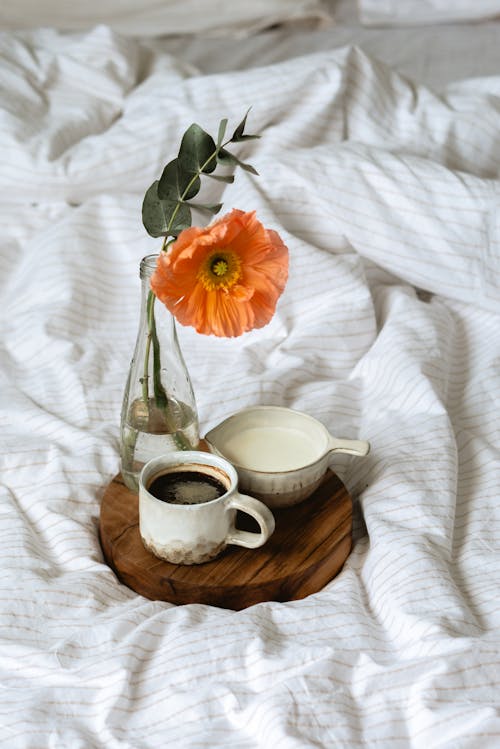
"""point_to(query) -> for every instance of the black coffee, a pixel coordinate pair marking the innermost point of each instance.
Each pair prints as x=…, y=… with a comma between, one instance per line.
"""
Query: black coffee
x=186, y=488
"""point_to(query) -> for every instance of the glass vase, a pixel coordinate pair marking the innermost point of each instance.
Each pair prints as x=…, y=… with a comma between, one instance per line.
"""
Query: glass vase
x=159, y=410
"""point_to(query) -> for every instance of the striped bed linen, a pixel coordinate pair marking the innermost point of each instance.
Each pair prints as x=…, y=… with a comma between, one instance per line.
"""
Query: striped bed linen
x=387, y=197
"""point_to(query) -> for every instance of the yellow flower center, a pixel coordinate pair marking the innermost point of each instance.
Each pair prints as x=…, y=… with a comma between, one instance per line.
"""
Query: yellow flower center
x=219, y=267
x=220, y=270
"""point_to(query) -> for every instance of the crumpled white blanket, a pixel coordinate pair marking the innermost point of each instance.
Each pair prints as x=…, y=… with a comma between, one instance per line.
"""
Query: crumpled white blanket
x=388, y=330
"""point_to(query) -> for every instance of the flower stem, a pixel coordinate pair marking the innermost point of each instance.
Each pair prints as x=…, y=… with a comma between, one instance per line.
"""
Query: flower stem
x=145, y=374
x=160, y=395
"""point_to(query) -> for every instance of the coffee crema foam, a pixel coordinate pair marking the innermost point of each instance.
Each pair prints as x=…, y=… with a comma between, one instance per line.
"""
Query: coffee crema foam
x=186, y=487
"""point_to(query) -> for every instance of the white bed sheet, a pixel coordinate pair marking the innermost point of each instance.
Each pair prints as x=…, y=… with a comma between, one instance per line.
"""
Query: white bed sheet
x=380, y=188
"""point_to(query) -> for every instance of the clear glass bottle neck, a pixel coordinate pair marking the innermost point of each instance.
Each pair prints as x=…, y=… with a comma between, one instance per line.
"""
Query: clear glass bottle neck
x=164, y=321
x=148, y=266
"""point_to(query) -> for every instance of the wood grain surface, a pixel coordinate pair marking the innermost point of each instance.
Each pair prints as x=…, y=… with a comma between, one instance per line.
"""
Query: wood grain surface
x=307, y=549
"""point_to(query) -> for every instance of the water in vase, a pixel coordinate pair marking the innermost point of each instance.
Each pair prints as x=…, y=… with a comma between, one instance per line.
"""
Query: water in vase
x=148, y=431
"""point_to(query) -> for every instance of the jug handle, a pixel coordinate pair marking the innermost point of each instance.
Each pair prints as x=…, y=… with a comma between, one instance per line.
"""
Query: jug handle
x=351, y=447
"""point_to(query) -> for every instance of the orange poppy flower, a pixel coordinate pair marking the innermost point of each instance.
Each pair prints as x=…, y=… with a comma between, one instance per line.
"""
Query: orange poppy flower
x=224, y=279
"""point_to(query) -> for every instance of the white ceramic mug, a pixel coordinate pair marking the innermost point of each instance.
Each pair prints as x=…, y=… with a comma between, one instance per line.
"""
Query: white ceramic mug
x=196, y=533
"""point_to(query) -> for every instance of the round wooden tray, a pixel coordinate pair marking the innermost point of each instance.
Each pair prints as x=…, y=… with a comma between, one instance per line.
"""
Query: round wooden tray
x=307, y=549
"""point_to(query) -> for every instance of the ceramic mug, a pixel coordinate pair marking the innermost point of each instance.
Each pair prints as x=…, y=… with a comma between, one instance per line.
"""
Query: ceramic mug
x=196, y=532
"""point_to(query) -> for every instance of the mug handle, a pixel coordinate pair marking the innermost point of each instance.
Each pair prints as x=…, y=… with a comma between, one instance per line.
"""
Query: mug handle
x=257, y=510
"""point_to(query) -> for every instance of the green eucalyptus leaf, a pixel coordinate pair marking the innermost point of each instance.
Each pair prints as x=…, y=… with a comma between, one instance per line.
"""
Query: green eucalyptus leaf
x=225, y=158
x=244, y=137
x=248, y=168
x=222, y=132
x=188, y=182
x=197, y=150
x=177, y=181
x=229, y=178
x=164, y=217
x=238, y=135
x=167, y=184
x=154, y=215
x=239, y=130
x=210, y=207
x=180, y=219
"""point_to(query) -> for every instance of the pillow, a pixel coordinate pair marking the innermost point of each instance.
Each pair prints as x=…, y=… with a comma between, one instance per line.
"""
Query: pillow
x=162, y=17
x=412, y=12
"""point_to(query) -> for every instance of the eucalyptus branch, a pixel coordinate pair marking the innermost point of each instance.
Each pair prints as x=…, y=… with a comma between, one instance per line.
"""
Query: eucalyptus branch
x=166, y=210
